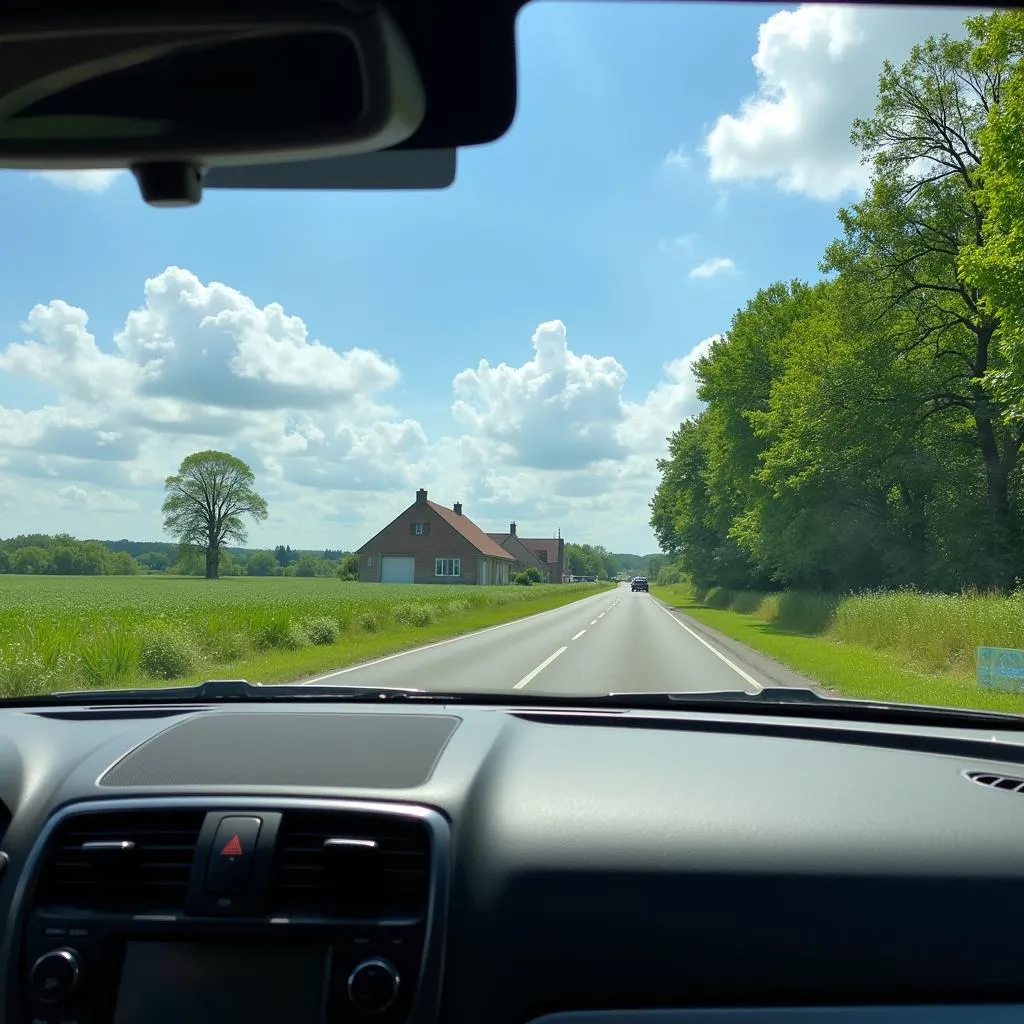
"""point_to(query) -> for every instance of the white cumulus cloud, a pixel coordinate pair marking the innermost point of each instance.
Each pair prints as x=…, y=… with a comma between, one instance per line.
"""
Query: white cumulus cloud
x=556, y=411
x=210, y=344
x=817, y=69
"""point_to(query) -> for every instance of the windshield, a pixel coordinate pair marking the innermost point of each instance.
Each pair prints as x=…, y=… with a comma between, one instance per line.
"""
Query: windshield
x=707, y=376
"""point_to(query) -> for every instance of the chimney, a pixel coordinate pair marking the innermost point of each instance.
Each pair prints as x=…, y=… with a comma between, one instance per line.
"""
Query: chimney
x=457, y=508
x=421, y=496
x=512, y=528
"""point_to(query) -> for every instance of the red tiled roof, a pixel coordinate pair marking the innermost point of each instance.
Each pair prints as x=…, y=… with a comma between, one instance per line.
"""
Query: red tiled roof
x=471, y=532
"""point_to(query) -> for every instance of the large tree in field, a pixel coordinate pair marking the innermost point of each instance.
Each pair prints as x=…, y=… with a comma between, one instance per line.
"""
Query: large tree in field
x=902, y=246
x=206, y=500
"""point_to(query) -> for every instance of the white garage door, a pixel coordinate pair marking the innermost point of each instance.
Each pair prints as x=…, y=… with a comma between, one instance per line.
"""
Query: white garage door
x=397, y=569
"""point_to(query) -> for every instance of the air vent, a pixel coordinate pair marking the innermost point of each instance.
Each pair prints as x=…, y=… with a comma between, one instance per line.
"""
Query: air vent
x=1010, y=784
x=131, y=861
x=351, y=865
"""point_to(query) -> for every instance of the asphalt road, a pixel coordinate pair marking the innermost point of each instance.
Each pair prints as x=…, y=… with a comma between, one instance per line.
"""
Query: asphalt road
x=612, y=642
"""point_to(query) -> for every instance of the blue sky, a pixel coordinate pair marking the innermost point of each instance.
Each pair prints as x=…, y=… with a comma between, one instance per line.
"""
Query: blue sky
x=519, y=342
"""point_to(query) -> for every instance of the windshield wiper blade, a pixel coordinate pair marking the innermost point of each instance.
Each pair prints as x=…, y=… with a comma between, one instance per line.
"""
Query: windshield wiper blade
x=805, y=702
x=217, y=691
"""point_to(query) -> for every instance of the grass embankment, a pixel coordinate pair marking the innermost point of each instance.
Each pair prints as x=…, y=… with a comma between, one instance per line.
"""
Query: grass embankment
x=67, y=632
x=895, y=646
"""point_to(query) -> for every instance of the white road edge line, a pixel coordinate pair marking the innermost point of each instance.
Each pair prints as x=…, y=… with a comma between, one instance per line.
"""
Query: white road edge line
x=593, y=622
x=714, y=650
x=579, y=634
x=436, y=643
x=540, y=668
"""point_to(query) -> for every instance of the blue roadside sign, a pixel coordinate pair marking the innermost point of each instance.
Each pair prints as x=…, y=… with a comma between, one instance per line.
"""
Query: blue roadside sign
x=1000, y=668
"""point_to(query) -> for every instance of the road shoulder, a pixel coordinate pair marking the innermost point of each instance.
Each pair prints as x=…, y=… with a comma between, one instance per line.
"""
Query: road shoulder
x=762, y=667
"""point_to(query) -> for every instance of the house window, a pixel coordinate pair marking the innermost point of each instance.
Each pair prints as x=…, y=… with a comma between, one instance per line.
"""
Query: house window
x=419, y=529
x=447, y=566
x=542, y=555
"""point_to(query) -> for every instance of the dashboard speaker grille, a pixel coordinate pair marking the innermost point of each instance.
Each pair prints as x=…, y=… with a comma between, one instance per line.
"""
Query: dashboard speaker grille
x=351, y=865
x=136, y=861
x=249, y=748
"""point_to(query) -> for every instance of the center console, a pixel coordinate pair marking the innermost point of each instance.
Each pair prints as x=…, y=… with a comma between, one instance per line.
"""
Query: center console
x=190, y=910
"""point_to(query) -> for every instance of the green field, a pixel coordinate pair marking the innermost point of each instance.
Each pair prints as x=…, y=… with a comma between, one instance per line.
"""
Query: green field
x=65, y=632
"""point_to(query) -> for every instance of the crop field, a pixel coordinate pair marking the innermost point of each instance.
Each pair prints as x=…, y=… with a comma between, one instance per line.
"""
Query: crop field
x=66, y=632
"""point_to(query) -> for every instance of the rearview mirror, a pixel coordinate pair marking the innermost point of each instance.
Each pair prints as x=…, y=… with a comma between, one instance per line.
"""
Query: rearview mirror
x=171, y=93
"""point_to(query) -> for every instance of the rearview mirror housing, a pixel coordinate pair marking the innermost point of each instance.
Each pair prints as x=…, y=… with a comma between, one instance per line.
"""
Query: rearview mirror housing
x=170, y=93
x=395, y=169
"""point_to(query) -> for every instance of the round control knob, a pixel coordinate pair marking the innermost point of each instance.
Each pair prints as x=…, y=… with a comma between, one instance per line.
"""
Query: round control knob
x=55, y=975
x=373, y=986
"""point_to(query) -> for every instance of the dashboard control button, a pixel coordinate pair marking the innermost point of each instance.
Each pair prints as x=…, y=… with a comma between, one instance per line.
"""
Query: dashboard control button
x=373, y=986
x=231, y=855
x=55, y=975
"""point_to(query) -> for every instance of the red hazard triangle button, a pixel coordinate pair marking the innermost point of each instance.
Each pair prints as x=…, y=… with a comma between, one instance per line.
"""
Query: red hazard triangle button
x=229, y=868
x=233, y=847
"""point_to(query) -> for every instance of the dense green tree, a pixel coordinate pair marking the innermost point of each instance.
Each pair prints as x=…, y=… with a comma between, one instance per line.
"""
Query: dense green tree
x=206, y=502
x=903, y=244
x=348, y=567
x=992, y=263
x=261, y=563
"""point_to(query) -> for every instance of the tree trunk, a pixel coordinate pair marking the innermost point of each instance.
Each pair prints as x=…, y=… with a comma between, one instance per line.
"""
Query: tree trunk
x=998, y=467
x=212, y=562
x=998, y=487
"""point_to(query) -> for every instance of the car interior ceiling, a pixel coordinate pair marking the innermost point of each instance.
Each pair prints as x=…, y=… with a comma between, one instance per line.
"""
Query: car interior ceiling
x=228, y=858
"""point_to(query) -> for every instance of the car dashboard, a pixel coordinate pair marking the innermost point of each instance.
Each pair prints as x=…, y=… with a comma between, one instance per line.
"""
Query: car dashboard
x=465, y=864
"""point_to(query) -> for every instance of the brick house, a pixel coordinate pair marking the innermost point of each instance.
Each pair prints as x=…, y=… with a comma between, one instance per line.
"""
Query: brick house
x=428, y=543
x=546, y=554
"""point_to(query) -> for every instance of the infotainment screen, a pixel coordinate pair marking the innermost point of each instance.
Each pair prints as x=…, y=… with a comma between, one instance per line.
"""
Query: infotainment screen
x=214, y=983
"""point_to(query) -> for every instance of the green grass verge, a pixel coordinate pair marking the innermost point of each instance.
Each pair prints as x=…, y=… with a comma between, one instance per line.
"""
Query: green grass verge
x=889, y=672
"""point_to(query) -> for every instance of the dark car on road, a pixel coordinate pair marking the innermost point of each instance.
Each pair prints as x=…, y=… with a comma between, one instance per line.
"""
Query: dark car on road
x=640, y=583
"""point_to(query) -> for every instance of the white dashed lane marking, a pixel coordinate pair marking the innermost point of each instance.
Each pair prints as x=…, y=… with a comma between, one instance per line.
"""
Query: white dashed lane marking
x=540, y=668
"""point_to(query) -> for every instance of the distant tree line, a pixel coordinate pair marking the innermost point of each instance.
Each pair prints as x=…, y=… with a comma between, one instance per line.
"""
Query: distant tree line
x=594, y=560
x=867, y=430
x=64, y=555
